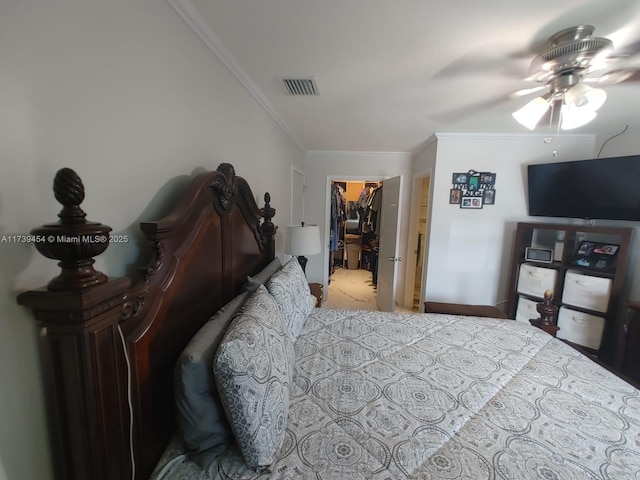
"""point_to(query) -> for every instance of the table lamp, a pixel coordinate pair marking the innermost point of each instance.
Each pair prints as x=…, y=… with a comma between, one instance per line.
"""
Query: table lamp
x=304, y=240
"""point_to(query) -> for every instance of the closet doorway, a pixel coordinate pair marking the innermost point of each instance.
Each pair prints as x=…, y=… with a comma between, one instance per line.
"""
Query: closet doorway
x=351, y=266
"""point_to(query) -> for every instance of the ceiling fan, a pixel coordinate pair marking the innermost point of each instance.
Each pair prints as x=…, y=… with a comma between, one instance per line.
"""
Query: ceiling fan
x=565, y=68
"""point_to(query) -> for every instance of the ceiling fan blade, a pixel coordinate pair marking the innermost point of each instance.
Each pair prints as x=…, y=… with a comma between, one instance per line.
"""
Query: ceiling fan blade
x=614, y=77
x=627, y=51
x=527, y=91
x=461, y=112
x=620, y=56
x=478, y=61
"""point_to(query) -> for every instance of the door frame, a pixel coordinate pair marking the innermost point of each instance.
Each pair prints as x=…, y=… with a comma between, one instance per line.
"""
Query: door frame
x=412, y=254
x=297, y=171
x=327, y=216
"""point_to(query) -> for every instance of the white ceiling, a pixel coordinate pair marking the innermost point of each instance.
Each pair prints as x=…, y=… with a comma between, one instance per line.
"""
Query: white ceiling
x=392, y=72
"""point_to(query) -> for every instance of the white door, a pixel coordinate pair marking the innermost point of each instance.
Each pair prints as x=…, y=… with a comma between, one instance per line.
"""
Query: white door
x=388, y=255
x=297, y=196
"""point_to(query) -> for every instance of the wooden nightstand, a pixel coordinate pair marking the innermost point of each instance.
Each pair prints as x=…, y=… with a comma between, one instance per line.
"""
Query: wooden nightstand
x=316, y=291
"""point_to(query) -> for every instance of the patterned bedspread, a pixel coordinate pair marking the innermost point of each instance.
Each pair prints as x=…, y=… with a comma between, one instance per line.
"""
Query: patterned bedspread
x=426, y=396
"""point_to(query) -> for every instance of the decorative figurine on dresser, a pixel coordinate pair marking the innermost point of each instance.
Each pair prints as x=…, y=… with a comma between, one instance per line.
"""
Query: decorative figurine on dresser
x=548, y=313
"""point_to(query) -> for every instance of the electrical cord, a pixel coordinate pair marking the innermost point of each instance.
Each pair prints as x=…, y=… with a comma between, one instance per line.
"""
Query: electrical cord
x=611, y=138
x=174, y=460
x=130, y=403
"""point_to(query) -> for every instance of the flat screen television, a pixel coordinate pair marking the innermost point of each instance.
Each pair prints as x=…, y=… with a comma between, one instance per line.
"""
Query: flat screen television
x=604, y=188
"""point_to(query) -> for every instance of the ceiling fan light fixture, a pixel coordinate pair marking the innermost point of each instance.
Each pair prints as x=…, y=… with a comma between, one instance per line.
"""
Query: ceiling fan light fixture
x=573, y=117
x=570, y=56
x=585, y=97
x=529, y=115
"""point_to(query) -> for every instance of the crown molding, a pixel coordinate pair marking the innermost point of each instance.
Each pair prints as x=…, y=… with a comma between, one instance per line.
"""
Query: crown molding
x=190, y=15
x=513, y=135
x=359, y=154
x=433, y=139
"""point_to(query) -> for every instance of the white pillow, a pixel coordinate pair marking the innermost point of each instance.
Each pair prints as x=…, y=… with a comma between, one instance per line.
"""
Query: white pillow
x=254, y=370
x=291, y=291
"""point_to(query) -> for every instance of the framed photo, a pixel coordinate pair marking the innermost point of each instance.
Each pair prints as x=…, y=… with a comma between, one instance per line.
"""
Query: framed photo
x=487, y=178
x=604, y=264
x=588, y=248
x=474, y=182
x=460, y=178
x=605, y=249
x=489, y=197
x=585, y=249
x=597, y=256
x=454, y=196
x=595, y=262
x=471, y=202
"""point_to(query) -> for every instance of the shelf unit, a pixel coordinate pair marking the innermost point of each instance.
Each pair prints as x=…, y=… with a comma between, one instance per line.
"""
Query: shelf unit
x=565, y=240
x=631, y=357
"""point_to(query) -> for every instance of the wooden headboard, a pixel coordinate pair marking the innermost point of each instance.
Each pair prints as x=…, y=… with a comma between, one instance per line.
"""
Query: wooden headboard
x=203, y=251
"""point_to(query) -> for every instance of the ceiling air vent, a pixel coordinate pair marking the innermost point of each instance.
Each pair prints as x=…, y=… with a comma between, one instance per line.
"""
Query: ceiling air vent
x=301, y=86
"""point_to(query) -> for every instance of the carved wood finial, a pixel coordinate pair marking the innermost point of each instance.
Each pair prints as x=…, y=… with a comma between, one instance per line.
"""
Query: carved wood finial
x=547, y=313
x=268, y=228
x=69, y=191
x=547, y=310
x=225, y=191
x=227, y=170
x=73, y=240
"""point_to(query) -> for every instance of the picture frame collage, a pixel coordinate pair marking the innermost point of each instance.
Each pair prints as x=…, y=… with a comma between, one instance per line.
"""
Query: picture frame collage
x=473, y=190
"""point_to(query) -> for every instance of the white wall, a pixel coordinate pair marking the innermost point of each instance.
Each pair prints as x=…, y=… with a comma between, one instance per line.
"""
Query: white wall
x=615, y=145
x=128, y=96
x=469, y=251
x=353, y=166
x=619, y=143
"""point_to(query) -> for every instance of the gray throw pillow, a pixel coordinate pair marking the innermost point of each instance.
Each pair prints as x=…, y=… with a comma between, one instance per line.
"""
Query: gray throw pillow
x=199, y=413
x=254, y=369
x=254, y=281
x=291, y=291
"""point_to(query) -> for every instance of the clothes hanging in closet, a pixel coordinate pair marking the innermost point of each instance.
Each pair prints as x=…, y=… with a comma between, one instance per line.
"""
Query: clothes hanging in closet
x=362, y=203
x=375, y=203
x=338, y=215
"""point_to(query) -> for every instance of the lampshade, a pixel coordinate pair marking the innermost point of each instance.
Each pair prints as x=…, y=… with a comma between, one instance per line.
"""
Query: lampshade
x=532, y=112
x=584, y=96
x=580, y=105
x=574, y=117
x=304, y=240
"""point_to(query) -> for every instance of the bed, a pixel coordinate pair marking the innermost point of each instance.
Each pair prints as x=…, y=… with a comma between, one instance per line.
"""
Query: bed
x=347, y=394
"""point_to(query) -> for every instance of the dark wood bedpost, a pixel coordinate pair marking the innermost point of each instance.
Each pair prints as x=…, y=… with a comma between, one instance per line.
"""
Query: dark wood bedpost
x=84, y=367
x=216, y=234
x=268, y=228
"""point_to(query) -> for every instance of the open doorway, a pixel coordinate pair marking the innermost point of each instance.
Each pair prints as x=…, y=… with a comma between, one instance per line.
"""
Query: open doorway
x=351, y=269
